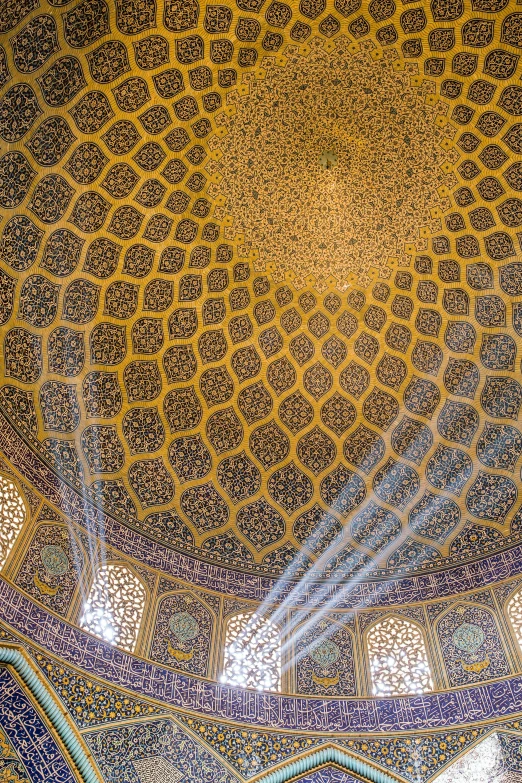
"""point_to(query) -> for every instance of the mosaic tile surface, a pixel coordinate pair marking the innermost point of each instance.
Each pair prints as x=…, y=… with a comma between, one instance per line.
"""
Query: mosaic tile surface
x=250, y=750
x=117, y=749
x=329, y=775
x=343, y=594
x=260, y=318
x=28, y=751
x=492, y=701
x=170, y=306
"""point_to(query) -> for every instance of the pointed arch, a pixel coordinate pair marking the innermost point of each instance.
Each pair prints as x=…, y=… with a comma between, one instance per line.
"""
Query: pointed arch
x=252, y=656
x=398, y=657
x=324, y=658
x=470, y=643
x=115, y=604
x=51, y=566
x=328, y=757
x=184, y=628
x=13, y=513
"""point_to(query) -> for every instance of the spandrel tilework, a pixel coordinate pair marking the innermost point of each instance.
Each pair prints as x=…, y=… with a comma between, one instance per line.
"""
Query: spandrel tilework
x=29, y=753
x=329, y=775
x=118, y=749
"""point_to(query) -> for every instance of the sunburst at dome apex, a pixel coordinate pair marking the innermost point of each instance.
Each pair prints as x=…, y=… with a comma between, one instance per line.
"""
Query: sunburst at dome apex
x=308, y=222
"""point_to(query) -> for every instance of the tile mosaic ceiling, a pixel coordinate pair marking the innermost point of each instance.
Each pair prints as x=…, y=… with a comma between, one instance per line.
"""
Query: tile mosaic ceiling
x=236, y=352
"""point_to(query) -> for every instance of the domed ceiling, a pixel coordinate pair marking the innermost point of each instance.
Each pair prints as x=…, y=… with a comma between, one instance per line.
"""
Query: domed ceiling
x=234, y=350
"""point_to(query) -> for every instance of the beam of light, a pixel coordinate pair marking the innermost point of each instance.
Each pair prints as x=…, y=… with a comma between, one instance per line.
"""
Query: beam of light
x=252, y=654
x=93, y=545
x=296, y=628
x=303, y=620
x=101, y=620
x=339, y=575
x=326, y=596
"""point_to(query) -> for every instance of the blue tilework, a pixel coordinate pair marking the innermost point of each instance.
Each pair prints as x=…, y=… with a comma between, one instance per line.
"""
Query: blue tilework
x=29, y=736
x=329, y=775
x=396, y=591
x=426, y=712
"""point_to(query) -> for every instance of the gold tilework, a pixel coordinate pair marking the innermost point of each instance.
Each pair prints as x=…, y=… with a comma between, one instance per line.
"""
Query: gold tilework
x=329, y=367
x=317, y=225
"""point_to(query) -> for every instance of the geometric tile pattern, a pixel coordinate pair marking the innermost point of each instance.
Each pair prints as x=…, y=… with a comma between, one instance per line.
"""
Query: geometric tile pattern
x=412, y=756
x=250, y=341
x=156, y=769
x=329, y=775
x=254, y=360
x=121, y=754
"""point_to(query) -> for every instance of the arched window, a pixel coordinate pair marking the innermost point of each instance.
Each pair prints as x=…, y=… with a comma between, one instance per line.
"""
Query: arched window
x=12, y=516
x=514, y=610
x=114, y=608
x=398, y=660
x=252, y=653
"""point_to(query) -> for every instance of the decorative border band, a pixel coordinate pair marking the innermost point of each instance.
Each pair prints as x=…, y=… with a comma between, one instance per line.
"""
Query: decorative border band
x=319, y=758
x=56, y=717
x=407, y=589
x=423, y=712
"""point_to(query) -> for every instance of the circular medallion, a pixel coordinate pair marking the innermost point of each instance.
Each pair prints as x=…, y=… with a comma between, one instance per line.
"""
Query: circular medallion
x=55, y=561
x=325, y=652
x=376, y=142
x=468, y=637
x=184, y=626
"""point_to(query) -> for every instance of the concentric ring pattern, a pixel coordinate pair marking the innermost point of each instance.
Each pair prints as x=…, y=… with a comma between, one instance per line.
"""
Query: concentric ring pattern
x=237, y=353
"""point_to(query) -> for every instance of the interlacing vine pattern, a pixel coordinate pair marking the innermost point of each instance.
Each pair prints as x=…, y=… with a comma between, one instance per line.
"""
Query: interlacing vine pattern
x=514, y=610
x=252, y=653
x=114, y=608
x=12, y=516
x=398, y=660
x=483, y=762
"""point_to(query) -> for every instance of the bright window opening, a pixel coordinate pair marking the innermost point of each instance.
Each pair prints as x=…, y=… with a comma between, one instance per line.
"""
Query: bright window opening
x=252, y=653
x=12, y=516
x=114, y=608
x=398, y=660
x=485, y=763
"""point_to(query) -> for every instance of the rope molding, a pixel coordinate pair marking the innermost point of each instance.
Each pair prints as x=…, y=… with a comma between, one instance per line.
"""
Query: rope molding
x=13, y=657
x=323, y=756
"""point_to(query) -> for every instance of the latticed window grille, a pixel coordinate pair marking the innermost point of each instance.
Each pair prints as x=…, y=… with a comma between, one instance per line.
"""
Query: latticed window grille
x=12, y=516
x=114, y=608
x=514, y=610
x=252, y=653
x=398, y=659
